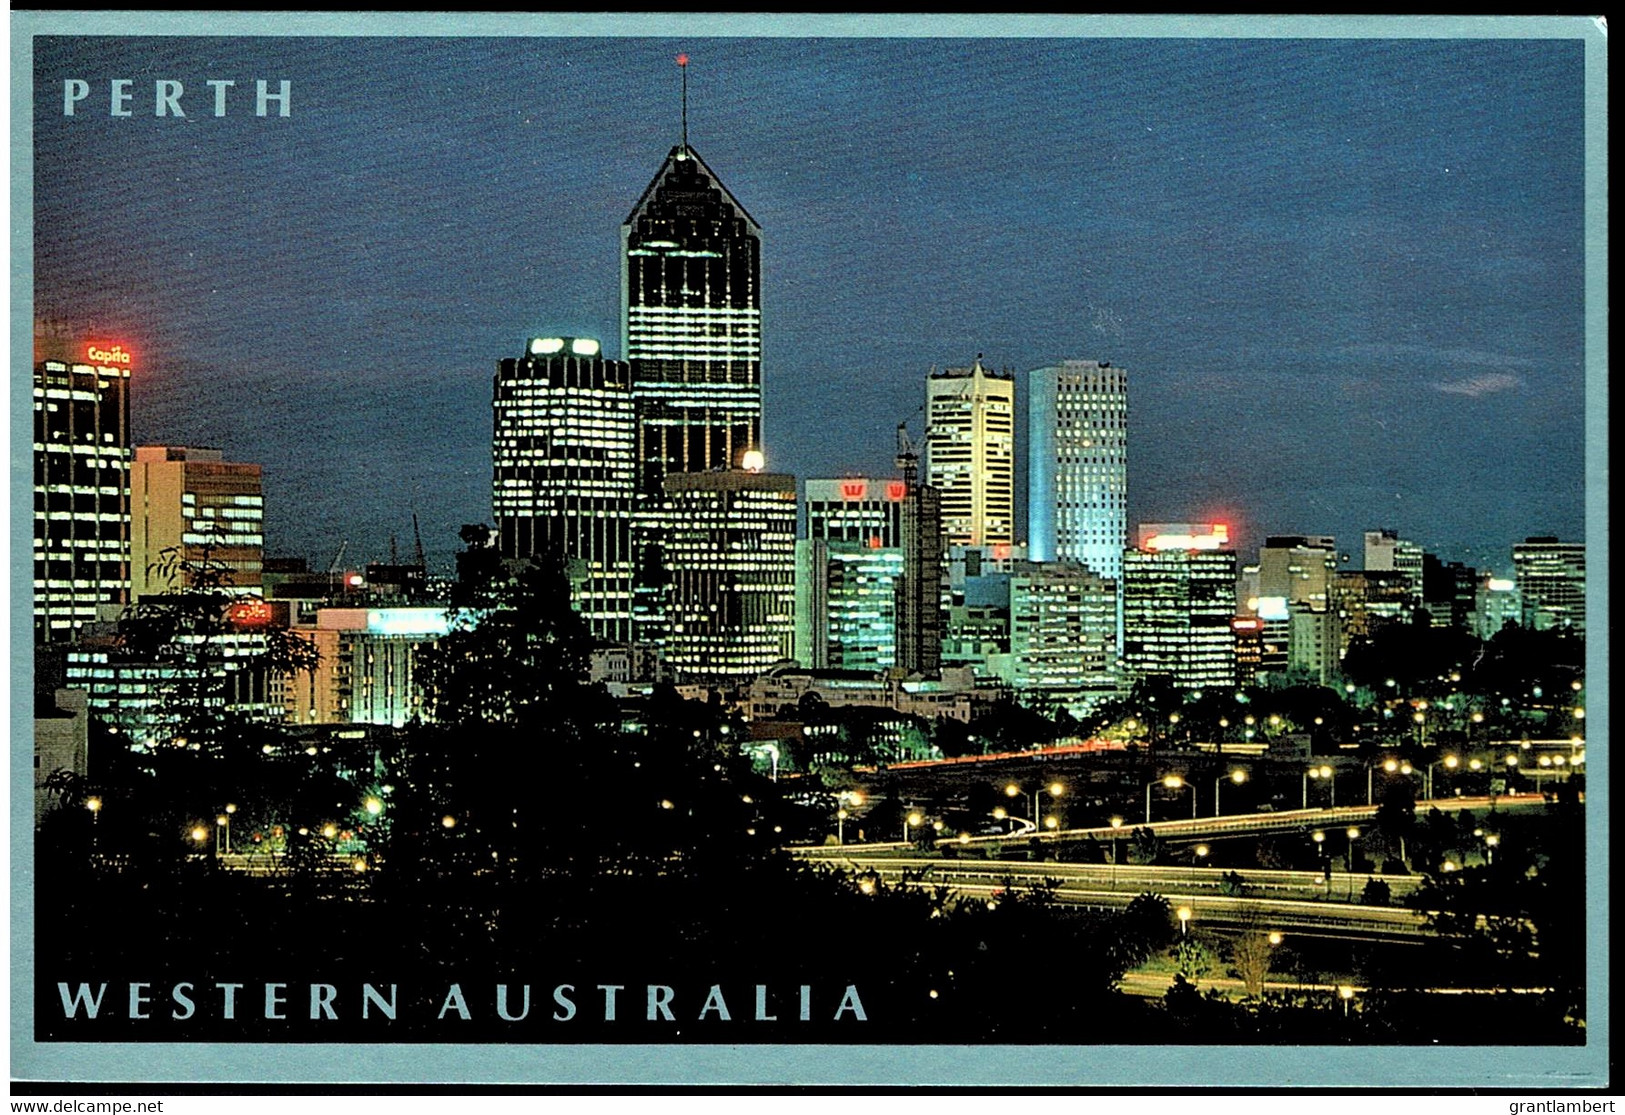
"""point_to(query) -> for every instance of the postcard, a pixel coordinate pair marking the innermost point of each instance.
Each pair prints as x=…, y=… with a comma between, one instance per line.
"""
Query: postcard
x=604, y=549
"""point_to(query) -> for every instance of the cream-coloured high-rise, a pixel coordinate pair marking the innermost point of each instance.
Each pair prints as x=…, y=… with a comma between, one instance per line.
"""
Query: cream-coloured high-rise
x=970, y=453
x=189, y=508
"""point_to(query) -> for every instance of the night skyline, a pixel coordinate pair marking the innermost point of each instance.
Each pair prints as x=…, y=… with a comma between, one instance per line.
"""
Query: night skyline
x=1373, y=322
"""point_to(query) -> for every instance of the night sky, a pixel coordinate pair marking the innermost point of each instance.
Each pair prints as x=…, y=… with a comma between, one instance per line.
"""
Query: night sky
x=1345, y=276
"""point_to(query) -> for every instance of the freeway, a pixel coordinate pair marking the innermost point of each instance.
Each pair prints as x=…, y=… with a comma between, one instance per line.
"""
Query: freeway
x=1135, y=879
x=1320, y=918
x=1207, y=828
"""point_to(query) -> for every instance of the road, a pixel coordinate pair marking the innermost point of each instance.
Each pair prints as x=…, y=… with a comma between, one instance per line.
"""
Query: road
x=1210, y=828
x=1196, y=889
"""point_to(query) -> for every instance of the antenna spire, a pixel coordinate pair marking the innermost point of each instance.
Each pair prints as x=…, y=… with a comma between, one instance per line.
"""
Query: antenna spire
x=682, y=64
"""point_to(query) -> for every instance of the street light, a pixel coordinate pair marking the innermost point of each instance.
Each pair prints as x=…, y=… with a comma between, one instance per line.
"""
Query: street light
x=1185, y=913
x=1450, y=762
x=1391, y=766
x=1172, y=782
x=844, y=798
x=1055, y=790
x=1321, y=772
x=1237, y=776
x=912, y=820
x=94, y=804
x=1116, y=823
x=1353, y=834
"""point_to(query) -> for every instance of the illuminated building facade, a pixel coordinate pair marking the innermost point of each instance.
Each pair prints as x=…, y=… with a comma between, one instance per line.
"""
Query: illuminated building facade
x=1077, y=464
x=191, y=507
x=970, y=452
x=1551, y=580
x=1365, y=600
x=691, y=298
x=1178, y=605
x=1062, y=635
x=144, y=697
x=1449, y=591
x=691, y=327
x=1495, y=604
x=1387, y=552
x=367, y=673
x=81, y=397
x=868, y=575
x=730, y=572
x=564, y=472
x=1298, y=569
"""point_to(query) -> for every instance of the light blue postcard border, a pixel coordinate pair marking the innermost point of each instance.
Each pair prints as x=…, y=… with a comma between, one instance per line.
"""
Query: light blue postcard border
x=1171, y=1067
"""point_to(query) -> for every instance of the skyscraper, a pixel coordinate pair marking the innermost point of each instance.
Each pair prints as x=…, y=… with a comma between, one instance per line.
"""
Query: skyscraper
x=970, y=453
x=81, y=481
x=1077, y=464
x=1386, y=551
x=563, y=458
x=730, y=559
x=1063, y=635
x=691, y=327
x=1178, y=605
x=1551, y=580
x=868, y=576
x=691, y=300
x=189, y=506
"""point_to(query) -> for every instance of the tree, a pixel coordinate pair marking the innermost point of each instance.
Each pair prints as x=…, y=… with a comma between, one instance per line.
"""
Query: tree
x=1193, y=960
x=1251, y=957
x=1145, y=847
x=517, y=654
x=208, y=657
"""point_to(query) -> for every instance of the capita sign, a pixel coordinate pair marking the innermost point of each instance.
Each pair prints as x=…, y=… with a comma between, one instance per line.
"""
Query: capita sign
x=108, y=354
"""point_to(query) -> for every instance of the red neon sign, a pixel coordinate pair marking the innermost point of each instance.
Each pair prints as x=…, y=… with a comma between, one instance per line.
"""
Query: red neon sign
x=854, y=489
x=1001, y=551
x=105, y=352
x=896, y=490
x=249, y=613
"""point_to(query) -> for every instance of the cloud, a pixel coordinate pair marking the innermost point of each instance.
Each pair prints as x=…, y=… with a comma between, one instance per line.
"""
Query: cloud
x=1460, y=357
x=1477, y=386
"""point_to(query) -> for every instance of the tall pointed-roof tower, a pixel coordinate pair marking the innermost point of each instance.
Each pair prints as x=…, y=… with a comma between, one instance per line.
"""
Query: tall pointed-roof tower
x=691, y=300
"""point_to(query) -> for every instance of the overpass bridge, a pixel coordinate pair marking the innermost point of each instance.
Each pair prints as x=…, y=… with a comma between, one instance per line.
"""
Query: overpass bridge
x=1192, y=830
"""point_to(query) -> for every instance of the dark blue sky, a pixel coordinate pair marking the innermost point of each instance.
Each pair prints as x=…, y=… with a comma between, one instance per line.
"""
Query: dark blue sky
x=1345, y=275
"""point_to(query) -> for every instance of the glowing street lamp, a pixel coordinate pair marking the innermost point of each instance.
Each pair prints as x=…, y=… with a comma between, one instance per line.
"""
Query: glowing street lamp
x=1323, y=773
x=1449, y=762
x=1172, y=782
x=1185, y=915
x=913, y=820
x=1237, y=777
x=1391, y=766
x=1116, y=823
x=843, y=799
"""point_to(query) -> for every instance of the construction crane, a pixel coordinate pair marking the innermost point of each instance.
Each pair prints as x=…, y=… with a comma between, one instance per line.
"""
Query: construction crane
x=417, y=540
x=334, y=567
x=908, y=459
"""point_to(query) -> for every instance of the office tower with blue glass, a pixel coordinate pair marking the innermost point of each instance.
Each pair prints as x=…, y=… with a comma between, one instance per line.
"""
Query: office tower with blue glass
x=1077, y=464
